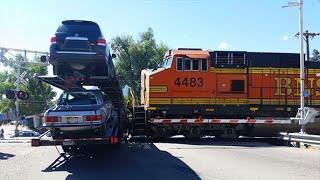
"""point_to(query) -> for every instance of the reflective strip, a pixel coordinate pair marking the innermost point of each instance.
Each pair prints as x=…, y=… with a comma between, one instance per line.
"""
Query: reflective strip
x=221, y=121
x=158, y=89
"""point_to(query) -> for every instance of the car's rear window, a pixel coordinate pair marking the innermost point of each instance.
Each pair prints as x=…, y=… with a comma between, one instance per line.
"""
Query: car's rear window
x=78, y=98
x=78, y=28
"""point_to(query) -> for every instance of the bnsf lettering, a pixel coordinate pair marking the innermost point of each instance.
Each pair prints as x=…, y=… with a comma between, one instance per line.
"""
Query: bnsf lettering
x=287, y=86
x=318, y=85
x=189, y=82
x=283, y=84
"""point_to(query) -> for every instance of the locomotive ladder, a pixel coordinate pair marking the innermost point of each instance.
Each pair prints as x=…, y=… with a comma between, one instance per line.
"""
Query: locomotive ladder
x=139, y=122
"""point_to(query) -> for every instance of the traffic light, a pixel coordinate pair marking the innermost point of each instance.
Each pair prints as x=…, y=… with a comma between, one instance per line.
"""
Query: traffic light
x=23, y=95
x=10, y=94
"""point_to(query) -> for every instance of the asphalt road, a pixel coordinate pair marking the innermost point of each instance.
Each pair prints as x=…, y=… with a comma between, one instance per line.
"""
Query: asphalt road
x=176, y=159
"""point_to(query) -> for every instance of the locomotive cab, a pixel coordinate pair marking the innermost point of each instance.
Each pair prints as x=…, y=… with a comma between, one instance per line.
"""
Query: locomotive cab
x=183, y=79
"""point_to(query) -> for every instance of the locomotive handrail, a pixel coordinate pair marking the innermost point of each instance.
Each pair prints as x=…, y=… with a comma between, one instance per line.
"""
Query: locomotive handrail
x=132, y=97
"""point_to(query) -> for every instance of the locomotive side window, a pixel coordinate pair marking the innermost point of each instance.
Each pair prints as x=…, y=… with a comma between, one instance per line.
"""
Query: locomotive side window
x=179, y=64
x=222, y=58
x=230, y=58
x=195, y=64
x=237, y=85
x=187, y=64
x=238, y=58
x=204, y=65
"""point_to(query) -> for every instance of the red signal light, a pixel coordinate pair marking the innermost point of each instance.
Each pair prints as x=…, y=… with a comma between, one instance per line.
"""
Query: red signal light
x=23, y=95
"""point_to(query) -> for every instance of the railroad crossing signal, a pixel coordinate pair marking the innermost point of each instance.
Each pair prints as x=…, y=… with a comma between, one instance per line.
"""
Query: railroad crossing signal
x=20, y=79
x=23, y=95
x=12, y=94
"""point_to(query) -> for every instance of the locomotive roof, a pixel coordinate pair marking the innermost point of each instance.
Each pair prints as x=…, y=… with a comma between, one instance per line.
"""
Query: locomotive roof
x=252, y=59
x=192, y=53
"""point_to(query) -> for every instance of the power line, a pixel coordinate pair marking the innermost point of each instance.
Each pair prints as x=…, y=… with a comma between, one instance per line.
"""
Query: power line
x=308, y=35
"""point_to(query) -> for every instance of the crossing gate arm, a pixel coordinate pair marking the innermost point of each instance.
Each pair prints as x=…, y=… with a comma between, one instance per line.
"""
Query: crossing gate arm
x=222, y=121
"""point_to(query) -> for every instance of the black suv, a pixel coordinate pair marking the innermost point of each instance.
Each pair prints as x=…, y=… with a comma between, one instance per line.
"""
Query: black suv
x=79, y=49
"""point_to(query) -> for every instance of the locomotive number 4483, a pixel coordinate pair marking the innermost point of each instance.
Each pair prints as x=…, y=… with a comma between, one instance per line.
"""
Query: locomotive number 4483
x=189, y=82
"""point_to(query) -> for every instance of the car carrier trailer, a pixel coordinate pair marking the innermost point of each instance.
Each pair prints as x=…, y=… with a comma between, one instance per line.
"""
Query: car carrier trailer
x=116, y=128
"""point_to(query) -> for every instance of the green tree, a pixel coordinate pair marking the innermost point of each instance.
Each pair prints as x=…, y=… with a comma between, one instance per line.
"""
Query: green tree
x=315, y=55
x=136, y=55
x=38, y=94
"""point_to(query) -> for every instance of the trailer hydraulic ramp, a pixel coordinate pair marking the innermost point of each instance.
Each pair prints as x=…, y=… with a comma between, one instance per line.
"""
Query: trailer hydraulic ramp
x=111, y=88
x=60, y=83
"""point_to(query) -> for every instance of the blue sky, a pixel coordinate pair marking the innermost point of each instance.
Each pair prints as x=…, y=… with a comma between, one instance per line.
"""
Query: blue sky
x=251, y=25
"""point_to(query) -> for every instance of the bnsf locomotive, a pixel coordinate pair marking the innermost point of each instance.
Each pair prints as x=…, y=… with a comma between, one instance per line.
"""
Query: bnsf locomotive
x=225, y=93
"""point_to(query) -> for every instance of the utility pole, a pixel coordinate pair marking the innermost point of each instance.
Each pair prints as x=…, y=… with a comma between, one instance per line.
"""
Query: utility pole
x=307, y=37
x=299, y=4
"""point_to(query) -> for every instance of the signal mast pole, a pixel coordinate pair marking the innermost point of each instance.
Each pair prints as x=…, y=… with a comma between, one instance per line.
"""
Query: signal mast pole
x=302, y=74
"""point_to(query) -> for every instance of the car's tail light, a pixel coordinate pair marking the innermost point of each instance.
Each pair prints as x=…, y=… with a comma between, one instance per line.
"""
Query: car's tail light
x=53, y=40
x=51, y=118
x=93, y=118
x=114, y=140
x=101, y=41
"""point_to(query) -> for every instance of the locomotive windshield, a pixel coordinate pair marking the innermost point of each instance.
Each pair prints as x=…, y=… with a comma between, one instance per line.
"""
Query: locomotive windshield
x=167, y=62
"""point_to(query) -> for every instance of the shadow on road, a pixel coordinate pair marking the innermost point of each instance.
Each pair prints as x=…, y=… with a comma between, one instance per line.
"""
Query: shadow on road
x=5, y=156
x=241, y=142
x=131, y=161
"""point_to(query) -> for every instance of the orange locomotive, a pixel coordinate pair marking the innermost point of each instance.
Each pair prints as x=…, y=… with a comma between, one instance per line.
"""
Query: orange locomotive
x=196, y=88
